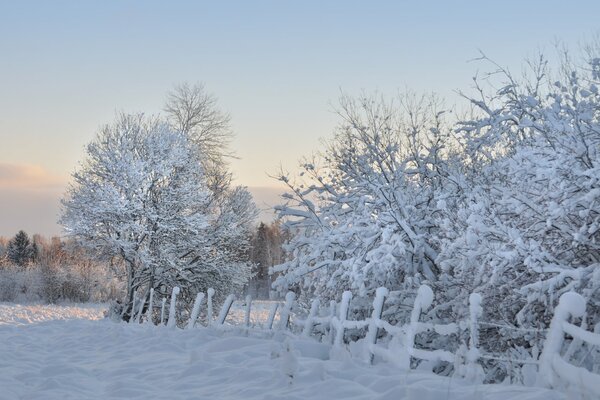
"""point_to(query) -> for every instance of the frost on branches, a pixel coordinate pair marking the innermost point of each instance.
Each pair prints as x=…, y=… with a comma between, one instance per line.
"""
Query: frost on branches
x=505, y=203
x=369, y=211
x=140, y=197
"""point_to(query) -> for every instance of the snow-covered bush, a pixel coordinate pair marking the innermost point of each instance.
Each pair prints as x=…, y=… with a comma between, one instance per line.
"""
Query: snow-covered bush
x=530, y=229
x=505, y=203
x=366, y=213
x=52, y=284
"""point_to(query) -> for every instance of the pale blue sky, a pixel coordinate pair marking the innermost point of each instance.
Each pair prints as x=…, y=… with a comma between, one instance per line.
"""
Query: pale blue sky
x=276, y=67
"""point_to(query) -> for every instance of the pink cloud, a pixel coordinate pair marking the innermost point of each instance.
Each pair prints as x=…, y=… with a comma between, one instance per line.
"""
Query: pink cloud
x=28, y=176
x=29, y=199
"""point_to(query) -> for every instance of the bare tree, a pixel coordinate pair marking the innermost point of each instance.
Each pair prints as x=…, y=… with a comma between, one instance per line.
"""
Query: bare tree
x=193, y=111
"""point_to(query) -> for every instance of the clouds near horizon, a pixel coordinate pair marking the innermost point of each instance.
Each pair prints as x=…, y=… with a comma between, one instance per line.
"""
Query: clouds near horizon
x=28, y=176
x=30, y=199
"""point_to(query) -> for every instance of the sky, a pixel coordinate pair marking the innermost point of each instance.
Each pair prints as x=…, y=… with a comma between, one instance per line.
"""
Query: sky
x=277, y=67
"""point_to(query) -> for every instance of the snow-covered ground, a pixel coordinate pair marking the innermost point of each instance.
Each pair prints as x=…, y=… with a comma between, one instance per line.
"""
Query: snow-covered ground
x=19, y=314
x=259, y=313
x=66, y=352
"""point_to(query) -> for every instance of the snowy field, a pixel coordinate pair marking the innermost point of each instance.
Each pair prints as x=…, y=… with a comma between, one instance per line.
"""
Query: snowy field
x=68, y=352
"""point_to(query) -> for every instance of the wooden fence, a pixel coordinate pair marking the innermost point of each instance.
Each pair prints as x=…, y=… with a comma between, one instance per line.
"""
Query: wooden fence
x=554, y=369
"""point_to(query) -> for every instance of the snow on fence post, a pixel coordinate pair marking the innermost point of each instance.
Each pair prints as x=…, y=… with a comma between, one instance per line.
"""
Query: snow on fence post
x=373, y=330
x=339, y=332
x=162, y=311
x=330, y=337
x=132, y=316
x=209, y=306
x=271, y=317
x=284, y=316
x=577, y=341
x=138, y=317
x=248, y=309
x=150, y=306
x=195, y=310
x=225, y=309
x=570, y=304
x=309, y=323
x=172, y=321
x=422, y=303
x=474, y=372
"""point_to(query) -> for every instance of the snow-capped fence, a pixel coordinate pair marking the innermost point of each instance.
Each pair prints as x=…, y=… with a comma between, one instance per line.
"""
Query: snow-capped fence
x=554, y=370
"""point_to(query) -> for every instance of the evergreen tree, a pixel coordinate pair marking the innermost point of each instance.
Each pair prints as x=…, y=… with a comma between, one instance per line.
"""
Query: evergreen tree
x=266, y=252
x=261, y=254
x=20, y=250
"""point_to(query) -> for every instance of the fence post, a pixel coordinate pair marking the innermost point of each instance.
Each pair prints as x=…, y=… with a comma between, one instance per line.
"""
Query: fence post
x=138, y=315
x=248, y=308
x=133, y=313
x=308, y=324
x=422, y=303
x=271, y=317
x=474, y=372
x=195, y=310
x=172, y=321
x=162, y=311
x=151, y=306
x=287, y=309
x=371, y=338
x=209, y=306
x=330, y=336
x=225, y=309
x=570, y=304
x=339, y=333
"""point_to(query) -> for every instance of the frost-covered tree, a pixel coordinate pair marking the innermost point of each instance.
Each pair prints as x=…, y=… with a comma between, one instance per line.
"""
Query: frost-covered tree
x=191, y=110
x=141, y=196
x=266, y=251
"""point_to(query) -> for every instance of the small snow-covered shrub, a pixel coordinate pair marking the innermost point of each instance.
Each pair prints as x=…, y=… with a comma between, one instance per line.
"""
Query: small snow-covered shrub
x=9, y=284
x=55, y=284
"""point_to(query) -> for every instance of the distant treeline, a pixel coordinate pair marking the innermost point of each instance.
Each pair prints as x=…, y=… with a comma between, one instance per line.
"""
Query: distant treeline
x=36, y=268
x=53, y=270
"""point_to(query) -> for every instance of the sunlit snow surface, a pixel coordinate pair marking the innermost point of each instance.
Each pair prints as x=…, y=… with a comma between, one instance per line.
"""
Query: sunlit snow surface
x=67, y=352
x=17, y=314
